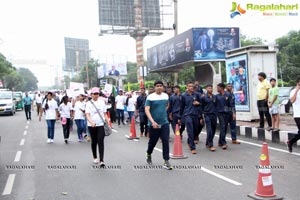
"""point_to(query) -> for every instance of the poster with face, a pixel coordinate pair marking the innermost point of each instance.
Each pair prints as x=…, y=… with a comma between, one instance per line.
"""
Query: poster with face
x=237, y=76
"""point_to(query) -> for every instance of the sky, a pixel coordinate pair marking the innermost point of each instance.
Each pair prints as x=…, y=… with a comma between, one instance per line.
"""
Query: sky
x=35, y=29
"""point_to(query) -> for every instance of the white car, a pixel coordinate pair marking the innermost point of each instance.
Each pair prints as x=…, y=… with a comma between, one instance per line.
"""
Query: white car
x=7, y=102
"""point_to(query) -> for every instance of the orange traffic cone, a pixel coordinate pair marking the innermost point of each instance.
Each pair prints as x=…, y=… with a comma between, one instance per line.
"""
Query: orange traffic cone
x=177, y=150
x=132, y=130
x=264, y=188
x=109, y=122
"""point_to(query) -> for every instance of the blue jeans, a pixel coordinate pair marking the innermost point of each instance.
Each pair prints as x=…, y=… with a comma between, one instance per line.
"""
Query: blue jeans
x=211, y=125
x=80, y=127
x=191, y=124
x=120, y=116
x=131, y=114
x=164, y=134
x=51, y=127
x=223, y=120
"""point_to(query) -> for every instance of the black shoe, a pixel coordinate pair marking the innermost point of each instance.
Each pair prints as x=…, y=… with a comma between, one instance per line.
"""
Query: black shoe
x=102, y=165
x=167, y=165
x=289, y=146
x=149, y=159
x=66, y=141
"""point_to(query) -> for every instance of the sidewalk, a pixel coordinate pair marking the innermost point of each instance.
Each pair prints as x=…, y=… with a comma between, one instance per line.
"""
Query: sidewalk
x=287, y=128
x=286, y=123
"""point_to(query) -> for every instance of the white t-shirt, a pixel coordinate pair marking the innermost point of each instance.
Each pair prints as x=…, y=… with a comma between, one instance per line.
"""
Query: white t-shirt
x=65, y=110
x=90, y=108
x=120, y=101
x=296, y=104
x=131, y=104
x=50, y=113
x=38, y=99
x=78, y=113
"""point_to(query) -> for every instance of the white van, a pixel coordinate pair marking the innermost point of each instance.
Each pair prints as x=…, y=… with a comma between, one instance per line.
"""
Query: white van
x=7, y=102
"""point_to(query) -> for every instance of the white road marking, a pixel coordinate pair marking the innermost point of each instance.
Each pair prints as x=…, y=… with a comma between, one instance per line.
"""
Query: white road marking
x=25, y=132
x=260, y=145
x=221, y=176
x=136, y=140
x=18, y=156
x=211, y=172
x=26, y=127
x=28, y=122
x=9, y=184
x=114, y=130
x=22, y=142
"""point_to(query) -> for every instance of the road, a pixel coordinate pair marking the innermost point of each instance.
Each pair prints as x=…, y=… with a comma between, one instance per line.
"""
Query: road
x=66, y=172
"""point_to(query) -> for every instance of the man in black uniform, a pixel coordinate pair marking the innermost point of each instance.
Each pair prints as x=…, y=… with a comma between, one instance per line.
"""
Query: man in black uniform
x=140, y=111
x=189, y=113
x=209, y=103
x=174, y=109
x=232, y=115
x=223, y=107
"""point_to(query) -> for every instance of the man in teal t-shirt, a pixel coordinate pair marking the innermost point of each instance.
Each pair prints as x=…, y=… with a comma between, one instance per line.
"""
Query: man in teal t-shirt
x=27, y=101
x=156, y=110
x=274, y=104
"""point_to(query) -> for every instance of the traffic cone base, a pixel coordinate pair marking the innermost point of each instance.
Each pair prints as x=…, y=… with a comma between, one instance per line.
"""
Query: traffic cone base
x=255, y=197
x=177, y=150
x=132, y=130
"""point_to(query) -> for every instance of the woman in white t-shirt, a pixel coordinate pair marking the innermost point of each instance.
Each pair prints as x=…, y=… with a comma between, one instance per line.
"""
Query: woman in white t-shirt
x=120, y=102
x=96, y=124
x=79, y=116
x=50, y=109
x=130, y=102
x=66, y=115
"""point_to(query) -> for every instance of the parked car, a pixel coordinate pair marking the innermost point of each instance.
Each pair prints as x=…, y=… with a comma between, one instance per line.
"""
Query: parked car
x=7, y=104
x=284, y=97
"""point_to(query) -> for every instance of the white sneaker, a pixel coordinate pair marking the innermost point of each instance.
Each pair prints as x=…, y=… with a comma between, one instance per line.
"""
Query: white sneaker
x=48, y=141
x=52, y=141
x=96, y=161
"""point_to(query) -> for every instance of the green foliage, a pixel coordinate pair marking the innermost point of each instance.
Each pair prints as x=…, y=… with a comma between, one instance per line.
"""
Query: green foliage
x=245, y=41
x=30, y=81
x=288, y=57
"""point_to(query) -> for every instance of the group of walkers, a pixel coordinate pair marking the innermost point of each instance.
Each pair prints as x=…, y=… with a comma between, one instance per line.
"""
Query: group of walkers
x=161, y=107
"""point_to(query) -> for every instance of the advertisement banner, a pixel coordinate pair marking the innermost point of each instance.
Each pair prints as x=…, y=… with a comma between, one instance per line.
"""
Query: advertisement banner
x=177, y=50
x=211, y=43
x=237, y=75
x=112, y=69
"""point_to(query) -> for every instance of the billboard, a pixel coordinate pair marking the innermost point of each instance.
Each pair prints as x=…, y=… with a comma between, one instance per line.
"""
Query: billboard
x=112, y=69
x=211, y=43
x=122, y=13
x=237, y=74
x=76, y=52
x=177, y=50
x=196, y=44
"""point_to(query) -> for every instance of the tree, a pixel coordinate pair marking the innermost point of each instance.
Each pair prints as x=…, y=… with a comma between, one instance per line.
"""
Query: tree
x=92, y=72
x=5, y=67
x=246, y=41
x=30, y=81
x=288, y=57
x=14, y=81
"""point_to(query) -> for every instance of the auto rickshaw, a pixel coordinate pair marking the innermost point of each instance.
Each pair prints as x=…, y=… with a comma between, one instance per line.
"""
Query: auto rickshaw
x=19, y=100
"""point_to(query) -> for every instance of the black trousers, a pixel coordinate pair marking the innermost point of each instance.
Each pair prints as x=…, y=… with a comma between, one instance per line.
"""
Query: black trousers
x=28, y=111
x=143, y=123
x=263, y=110
x=66, y=129
x=296, y=137
x=97, y=139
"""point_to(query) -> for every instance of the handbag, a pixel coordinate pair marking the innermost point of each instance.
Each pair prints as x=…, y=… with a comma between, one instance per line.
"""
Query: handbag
x=107, y=128
x=63, y=121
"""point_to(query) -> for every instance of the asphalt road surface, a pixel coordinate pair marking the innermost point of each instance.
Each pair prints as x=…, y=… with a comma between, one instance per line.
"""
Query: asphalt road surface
x=32, y=169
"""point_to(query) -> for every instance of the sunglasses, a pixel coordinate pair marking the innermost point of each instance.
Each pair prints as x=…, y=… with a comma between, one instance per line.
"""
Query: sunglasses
x=95, y=93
